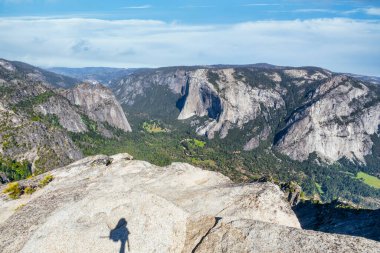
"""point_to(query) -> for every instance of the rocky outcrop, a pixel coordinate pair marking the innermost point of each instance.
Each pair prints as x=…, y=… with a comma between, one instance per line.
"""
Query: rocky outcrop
x=240, y=235
x=200, y=97
x=331, y=115
x=254, y=142
x=292, y=192
x=36, y=120
x=336, y=122
x=229, y=103
x=69, y=118
x=93, y=206
x=43, y=146
x=229, y=97
x=99, y=104
x=7, y=65
x=128, y=88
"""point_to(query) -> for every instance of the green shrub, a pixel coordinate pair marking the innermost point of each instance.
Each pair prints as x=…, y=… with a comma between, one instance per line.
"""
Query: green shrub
x=198, y=143
x=29, y=190
x=153, y=127
x=45, y=181
x=13, y=190
x=35, y=118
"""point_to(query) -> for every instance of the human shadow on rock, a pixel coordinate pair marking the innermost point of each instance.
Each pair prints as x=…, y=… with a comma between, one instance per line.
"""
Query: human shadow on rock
x=121, y=233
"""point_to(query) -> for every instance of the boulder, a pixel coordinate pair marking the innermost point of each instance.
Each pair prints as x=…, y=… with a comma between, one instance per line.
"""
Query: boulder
x=134, y=206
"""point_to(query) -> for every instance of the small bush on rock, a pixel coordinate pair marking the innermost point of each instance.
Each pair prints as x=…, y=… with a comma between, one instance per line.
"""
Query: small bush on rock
x=29, y=190
x=13, y=190
x=45, y=181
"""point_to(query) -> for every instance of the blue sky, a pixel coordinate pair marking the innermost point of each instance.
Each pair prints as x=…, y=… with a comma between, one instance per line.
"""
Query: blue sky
x=342, y=35
x=194, y=12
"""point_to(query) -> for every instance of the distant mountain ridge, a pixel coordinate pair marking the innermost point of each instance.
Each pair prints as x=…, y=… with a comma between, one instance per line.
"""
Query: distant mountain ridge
x=38, y=74
x=266, y=127
x=370, y=79
x=101, y=75
x=106, y=75
x=306, y=124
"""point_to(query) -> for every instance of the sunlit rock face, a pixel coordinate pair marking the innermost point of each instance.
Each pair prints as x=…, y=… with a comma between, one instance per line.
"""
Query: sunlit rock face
x=99, y=103
x=337, y=122
x=37, y=115
x=108, y=204
x=295, y=111
x=229, y=103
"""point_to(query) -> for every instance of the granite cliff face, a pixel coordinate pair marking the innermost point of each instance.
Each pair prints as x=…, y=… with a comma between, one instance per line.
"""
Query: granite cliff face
x=128, y=88
x=300, y=111
x=37, y=115
x=99, y=104
x=27, y=131
x=34, y=141
x=102, y=204
x=336, y=122
x=69, y=117
x=229, y=103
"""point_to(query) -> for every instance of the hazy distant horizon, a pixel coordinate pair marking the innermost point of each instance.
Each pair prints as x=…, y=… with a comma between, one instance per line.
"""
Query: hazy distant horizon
x=209, y=65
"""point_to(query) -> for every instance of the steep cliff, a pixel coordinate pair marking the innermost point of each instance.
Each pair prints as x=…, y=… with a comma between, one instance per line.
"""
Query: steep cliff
x=69, y=117
x=305, y=124
x=37, y=120
x=99, y=104
x=334, y=116
x=115, y=203
x=44, y=145
x=229, y=103
x=28, y=132
x=337, y=121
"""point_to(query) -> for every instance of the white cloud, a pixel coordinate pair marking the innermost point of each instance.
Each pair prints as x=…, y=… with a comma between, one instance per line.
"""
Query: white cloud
x=373, y=11
x=368, y=11
x=339, y=44
x=146, y=6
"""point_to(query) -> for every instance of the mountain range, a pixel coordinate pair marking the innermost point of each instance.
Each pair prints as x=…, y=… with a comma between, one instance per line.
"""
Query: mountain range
x=307, y=124
x=276, y=152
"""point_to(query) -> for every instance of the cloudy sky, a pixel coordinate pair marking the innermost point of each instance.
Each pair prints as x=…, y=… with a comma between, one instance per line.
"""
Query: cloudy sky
x=343, y=36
